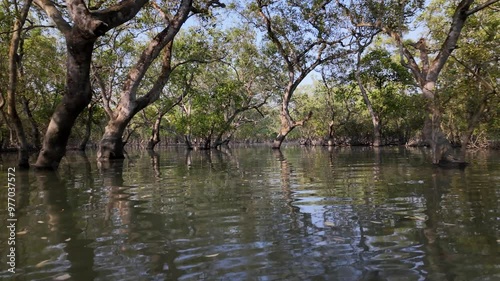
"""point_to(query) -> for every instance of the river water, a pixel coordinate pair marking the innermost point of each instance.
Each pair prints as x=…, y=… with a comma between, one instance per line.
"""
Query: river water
x=257, y=214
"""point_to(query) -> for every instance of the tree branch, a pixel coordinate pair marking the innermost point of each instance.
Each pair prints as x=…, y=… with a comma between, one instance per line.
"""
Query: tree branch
x=480, y=7
x=273, y=36
x=55, y=15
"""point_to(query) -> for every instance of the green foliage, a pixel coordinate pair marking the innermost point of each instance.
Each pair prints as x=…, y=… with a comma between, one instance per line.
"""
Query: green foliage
x=231, y=77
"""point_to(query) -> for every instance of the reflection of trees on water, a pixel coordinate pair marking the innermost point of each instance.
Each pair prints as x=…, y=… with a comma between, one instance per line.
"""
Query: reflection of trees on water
x=155, y=162
x=351, y=224
x=63, y=226
x=141, y=234
x=307, y=214
x=22, y=191
x=286, y=172
x=458, y=231
x=400, y=213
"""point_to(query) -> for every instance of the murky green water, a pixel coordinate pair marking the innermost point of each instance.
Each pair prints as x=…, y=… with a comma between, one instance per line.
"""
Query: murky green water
x=257, y=214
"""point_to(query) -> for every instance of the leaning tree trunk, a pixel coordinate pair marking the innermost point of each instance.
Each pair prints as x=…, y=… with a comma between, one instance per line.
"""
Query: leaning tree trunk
x=287, y=125
x=278, y=141
x=111, y=144
x=76, y=97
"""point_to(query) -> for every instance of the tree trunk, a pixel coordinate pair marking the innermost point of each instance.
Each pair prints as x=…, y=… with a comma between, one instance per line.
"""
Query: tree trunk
x=434, y=136
x=14, y=119
x=155, y=134
x=278, y=141
x=35, y=132
x=206, y=143
x=377, y=135
x=88, y=129
x=189, y=143
x=111, y=144
x=287, y=124
x=331, y=132
x=374, y=115
x=76, y=97
x=427, y=74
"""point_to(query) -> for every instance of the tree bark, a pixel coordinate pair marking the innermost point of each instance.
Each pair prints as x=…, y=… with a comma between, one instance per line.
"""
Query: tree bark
x=77, y=96
x=111, y=145
x=286, y=127
x=331, y=132
x=434, y=136
x=80, y=39
x=155, y=135
x=23, y=147
x=188, y=142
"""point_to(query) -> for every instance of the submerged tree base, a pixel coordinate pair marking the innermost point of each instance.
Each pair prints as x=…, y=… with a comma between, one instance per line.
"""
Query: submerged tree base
x=447, y=164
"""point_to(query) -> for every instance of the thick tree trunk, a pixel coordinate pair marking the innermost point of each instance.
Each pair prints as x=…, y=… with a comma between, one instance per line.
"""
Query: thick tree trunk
x=76, y=97
x=427, y=74
x=434, y=136
x=111, y=144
